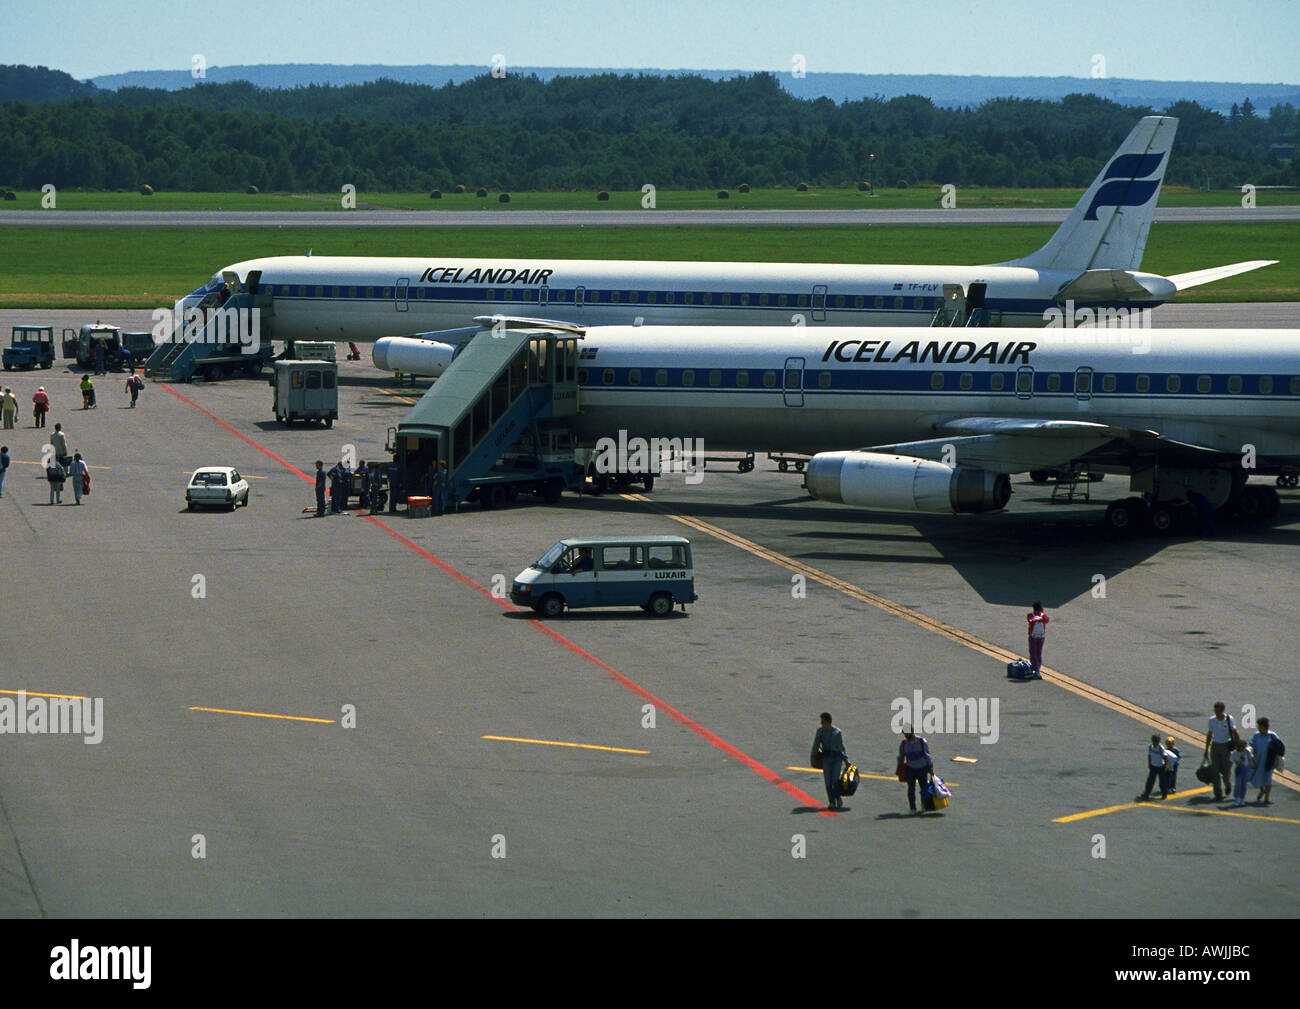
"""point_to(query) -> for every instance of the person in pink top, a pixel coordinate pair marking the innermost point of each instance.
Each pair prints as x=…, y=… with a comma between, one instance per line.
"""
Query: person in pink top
x=1038, y=621
x=40, y=406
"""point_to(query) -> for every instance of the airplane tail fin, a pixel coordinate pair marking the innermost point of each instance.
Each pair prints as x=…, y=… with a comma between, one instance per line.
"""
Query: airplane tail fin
x=1107, y=230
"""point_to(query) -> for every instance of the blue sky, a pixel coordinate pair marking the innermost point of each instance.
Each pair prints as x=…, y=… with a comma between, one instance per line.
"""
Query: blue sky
x=1245, y=41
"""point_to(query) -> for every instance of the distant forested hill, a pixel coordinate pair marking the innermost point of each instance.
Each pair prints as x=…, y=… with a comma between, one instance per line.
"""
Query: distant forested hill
x=944, y=90
x=38, y=84
x=610, y=132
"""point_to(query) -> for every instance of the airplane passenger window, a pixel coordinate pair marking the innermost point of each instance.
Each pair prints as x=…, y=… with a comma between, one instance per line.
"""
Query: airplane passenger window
x=1173, y=383
x=706, y=298
x=859, y=301
x=1266, y=385
x=824, y=380
x=582, y=376
x=613, y=296
x=744, y=299
x=839, y=301
x=688, y=377
x=1142, y=383
x=507, y=295
x=762, y=300
x=782, y=300
x=742, y=379
x=898, y=302
x=607, y=376
x=1107, y=383
x=1025, y=381
x=1203, y=383
x=690, y=298
x=919, y=303
x=661, y=376
x=715, y=378
x=769, y=379
x=1295, y=386
x=996, y=381
x=880, y=302
x=1083, y=382
x=967, y=380
x=1053, y=383
x=1234, y=383
x=634, y=376
x=936, y=380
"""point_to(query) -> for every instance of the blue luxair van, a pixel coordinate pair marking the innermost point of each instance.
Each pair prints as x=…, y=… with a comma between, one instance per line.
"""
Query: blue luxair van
x=653, y=572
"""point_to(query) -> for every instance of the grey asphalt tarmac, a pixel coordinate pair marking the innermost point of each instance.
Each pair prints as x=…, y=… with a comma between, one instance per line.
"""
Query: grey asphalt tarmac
x=603, y=218
x=386, y=632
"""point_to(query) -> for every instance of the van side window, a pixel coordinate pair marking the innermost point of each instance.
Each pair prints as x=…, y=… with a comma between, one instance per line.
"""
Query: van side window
x=621, y=558
x=667, y=556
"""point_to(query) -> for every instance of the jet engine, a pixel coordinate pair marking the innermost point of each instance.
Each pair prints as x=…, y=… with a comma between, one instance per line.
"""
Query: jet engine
x=412, y=356
x=904, y=483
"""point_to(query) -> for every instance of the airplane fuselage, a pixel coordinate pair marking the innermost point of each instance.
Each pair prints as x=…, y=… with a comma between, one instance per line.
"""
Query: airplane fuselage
x=802, y=391
x=364, y=299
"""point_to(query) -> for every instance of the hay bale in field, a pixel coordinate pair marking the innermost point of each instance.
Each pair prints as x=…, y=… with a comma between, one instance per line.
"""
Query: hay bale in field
x=460, y=189
x=801, y=188
x=480, y=192
x=252, y=191
x=435, y=194
x=503, y=198
x=723, y=194
x=602, y=196
x=743, y=187
x=146, y=190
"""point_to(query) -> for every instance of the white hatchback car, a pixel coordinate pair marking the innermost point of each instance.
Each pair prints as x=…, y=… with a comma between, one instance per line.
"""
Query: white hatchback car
x=216, y=485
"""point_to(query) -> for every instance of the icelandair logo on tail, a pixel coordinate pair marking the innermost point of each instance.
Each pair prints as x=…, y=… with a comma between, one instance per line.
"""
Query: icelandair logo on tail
x=1125, y=188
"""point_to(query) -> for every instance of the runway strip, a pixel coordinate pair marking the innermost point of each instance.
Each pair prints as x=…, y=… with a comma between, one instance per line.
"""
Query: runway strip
x=711, y=737
x=1086, y=690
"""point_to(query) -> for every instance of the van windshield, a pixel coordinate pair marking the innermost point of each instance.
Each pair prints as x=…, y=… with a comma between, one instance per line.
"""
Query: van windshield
x=549, y=558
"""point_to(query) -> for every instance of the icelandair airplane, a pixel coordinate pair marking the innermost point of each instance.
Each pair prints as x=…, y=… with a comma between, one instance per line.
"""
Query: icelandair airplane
x=1091, y=260
x=935, y=422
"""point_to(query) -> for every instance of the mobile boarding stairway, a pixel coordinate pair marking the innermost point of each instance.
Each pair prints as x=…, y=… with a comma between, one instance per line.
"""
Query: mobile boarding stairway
x=497, y=416
x=227, y=337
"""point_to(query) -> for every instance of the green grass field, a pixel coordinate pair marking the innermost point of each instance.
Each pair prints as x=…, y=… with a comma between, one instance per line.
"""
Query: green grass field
x=148, y=267
x=828, y=198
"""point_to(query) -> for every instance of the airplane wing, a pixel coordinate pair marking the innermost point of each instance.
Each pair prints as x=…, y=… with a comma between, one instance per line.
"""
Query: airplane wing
x=1197, y=277
x=1012, y=445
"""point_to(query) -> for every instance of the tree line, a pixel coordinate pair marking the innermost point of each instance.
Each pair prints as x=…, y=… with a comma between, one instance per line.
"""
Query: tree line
x=600, y=132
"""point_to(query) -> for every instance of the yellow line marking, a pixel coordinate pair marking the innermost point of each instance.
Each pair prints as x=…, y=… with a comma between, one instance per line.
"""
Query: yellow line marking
x=397, y=396
x=37, y=693
x=966, y=760
x=1166, y=726
x=1126, y=805
x=552, y=742
x=28, y=462
x=1225, y=812
x=261, y=714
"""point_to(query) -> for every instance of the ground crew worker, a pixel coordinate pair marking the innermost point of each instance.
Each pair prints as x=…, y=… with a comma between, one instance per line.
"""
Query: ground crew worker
x=40, y=406
x=336, y=477
x=438, y=489
x=134, y=383
x=87, y=393
x=4, y=465
x=363, y=496
x=394, y=484
x=9, y=407
x=320, y=488
x=375, y=488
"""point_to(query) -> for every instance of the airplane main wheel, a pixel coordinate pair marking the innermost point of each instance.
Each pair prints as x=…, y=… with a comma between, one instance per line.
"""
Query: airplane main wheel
x=1163, y=518
x=1259, y=504
x=783, y=466
x=648, y=484
x=1125, y=516
x=552, y=490
x=1040, y=475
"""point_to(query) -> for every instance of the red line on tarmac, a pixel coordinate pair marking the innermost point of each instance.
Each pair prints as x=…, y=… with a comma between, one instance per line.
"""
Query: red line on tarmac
x=705, y=734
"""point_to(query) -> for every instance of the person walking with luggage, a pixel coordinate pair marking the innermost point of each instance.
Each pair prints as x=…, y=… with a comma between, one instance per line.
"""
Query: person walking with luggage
x=1243, y=763
x=134, y=383
x=87, y=393
x=1220, y=741
x=40, y=406
x=56, y=475
x=1038, y=621
x=918, y=764
x=9, y=408
x=828, y=744
x=1267, y=748
x=59, y=441
x=80, y=477
x=1157, y=768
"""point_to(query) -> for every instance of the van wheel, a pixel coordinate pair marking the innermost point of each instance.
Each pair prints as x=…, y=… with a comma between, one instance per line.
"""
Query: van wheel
x=661, y=604
x=551, y=605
